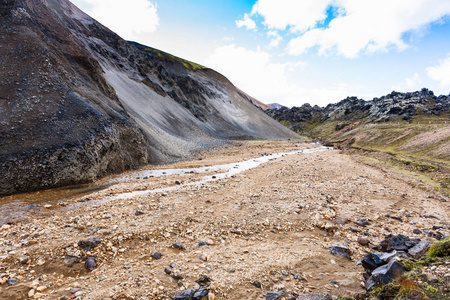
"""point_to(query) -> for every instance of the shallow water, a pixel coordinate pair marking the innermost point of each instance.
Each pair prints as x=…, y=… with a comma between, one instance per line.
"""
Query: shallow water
x=24, y=206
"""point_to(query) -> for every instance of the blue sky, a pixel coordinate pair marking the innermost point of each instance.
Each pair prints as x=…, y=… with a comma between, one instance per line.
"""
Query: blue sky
x=297, y=51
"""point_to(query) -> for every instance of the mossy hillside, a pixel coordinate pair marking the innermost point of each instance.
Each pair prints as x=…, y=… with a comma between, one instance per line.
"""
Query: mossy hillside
x=172, y=58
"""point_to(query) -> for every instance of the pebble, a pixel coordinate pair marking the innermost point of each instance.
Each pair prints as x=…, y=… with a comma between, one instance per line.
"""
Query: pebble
x=363, y=241
x=79, y=294
x=157, y=255
x=178, y=246
x=91, y=263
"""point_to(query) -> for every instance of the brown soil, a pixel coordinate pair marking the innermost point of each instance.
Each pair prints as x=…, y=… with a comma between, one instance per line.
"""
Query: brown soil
x=267, y=224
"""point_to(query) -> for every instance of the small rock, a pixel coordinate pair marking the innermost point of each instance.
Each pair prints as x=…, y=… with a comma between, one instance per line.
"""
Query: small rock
x=31, y=293
x=257, y=284
x=79, y=294
x=178, y=246
x=167, y=271
x=157, y=255
x=231, y=270
x=138, y=213
x=91, y=263
x=363, y=241
x=24, y=260
x=340, y=251
x=177, y=276
x=275, y=296
x=200, y=293
x=41, y=288
x=203, y=257
x=419, y=250
x=202, y=243
x=184, y=295
x=340, y=221
x=204, y=280
x=71, y=261
x=417, y=231
x=12, y=281
x=362, y=222
x=90, y=243
x=47, y=206
x=210, y=242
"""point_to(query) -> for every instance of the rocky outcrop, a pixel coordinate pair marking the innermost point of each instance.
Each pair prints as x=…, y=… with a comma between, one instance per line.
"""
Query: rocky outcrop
x=77, y=102
x=395, y=106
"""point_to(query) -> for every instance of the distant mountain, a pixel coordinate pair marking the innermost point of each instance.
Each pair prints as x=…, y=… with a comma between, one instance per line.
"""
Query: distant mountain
x=275, y=105
x=77, y=102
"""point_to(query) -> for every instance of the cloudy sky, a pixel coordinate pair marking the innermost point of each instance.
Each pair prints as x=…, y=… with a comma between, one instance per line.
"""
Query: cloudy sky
x=297, y=51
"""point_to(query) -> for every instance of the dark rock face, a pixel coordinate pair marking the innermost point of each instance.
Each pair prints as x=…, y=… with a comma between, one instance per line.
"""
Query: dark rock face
x=77, y=102
x=90, y=243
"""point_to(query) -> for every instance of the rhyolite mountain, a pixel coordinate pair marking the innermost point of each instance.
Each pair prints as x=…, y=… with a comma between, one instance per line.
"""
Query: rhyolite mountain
x=78, y=102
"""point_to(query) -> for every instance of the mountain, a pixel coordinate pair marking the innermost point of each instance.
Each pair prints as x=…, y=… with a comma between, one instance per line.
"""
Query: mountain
x=275, y=105
x=254, y=101
x=78, y=102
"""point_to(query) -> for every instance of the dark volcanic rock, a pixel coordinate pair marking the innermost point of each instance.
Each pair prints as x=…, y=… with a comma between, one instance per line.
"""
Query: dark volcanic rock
x=385, y=274
x=398, y=242
x=341, y=251
x=157, y=255
x=90, y=243
x=275, y=296
x=77, y=102
x=314, y=297
x=91, y=263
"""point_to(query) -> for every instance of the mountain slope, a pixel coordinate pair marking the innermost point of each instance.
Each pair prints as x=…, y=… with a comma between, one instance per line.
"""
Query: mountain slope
x=78, y=102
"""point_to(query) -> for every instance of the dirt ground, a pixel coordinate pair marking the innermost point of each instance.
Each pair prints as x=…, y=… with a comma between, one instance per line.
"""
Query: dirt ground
x=272, y=224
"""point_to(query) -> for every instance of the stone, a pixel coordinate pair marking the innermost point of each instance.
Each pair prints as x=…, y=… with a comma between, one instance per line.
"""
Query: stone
x=314, y=297
x=41, y=288
x=91, y=263
x=275, y=296
x=394, y=243
x=341, y=251
x=363, y=241
x=167, y=271
x=90, y=243
x=417, y=231
x=24, y=260
x=340, y=221
x=370, y=262
x=157, y=255
x=202, y=243
x=203, y=257
x=385, y=274
x=204, y=281
x=184, y=295
x=79, y=294
x=419, y=250
x=200, y=293
x=177, y=276
x=178, y=246
x=257, y=284
x=70, y=261
x=138, y=213
x=31, y=293
x=362, y=222
x=12, y=281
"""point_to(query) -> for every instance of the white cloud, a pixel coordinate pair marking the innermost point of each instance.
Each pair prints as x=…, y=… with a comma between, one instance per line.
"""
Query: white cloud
x=441, y=72
x=246, y=22
x=413, y=82
x=276, y=39
x=298, y=15
x=126, y=18
x=256, y=74
x=360, y=26
x=228, y=38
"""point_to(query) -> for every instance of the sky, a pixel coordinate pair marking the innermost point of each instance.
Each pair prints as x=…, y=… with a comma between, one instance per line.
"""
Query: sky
x=297, y=51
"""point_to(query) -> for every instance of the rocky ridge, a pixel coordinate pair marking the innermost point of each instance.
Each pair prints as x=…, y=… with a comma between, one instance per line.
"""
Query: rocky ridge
x=392, y=107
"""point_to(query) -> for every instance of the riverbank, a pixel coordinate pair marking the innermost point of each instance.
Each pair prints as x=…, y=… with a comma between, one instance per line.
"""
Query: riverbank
x=265, y=229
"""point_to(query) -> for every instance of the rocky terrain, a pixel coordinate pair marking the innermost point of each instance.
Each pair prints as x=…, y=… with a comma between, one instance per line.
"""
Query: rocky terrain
x=393, y=107
x=408, y=132
x=315, y=224
x=77, y=102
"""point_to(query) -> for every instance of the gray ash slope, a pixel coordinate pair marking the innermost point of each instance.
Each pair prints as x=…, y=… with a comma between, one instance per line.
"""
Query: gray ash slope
x=77, y=102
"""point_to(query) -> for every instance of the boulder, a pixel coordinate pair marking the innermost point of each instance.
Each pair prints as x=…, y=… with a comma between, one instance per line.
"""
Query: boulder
x=385, y=274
